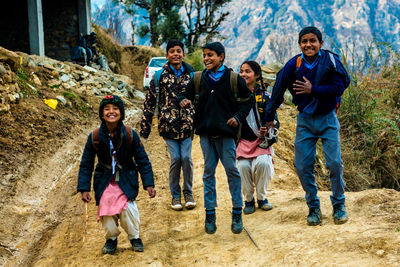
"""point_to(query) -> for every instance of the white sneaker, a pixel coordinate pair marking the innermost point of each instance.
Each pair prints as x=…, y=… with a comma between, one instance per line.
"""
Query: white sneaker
x=176, y=203
x=189, y=201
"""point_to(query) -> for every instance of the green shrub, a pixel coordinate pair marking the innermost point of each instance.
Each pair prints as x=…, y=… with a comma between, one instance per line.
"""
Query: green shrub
x=195, y=59
x=370, y=119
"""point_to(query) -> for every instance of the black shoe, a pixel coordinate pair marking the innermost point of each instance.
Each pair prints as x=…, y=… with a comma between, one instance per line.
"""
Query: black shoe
x=264, y=205
x=110, y=246
x=137, y=245
x=314, y=216
x=249, y=207
x=339, y=214
x=237, y=225
x=210, y=225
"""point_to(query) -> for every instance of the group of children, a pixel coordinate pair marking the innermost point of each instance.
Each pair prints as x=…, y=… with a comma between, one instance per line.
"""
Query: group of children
x=236, y=118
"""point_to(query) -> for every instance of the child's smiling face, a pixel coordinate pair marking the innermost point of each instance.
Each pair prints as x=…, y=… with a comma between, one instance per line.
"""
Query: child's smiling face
x=111, y=113
x=247, y=73
x=310, y=46
x=175, y=55
x=211, y=59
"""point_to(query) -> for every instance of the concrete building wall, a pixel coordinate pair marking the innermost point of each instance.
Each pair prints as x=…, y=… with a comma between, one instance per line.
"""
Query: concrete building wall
x=14, y=34
x=61, y=27
x=63, y=21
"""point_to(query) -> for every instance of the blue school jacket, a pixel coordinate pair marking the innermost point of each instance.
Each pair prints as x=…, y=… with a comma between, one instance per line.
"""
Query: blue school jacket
x=329, y=79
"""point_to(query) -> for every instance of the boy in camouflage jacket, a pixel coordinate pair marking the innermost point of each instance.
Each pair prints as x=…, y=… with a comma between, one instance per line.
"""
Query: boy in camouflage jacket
x=175, y=124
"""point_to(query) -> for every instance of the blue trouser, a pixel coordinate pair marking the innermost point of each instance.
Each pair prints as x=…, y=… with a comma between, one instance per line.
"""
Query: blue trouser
x=180, y=152
x=223, y=148
x=308, y=130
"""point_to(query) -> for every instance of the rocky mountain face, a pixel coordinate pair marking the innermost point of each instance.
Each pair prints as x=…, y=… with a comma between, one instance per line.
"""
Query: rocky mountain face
x=266, y=30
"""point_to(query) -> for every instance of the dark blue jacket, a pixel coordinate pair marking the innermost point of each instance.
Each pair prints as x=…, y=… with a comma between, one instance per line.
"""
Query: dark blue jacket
x=128, y=174
x=328, y=79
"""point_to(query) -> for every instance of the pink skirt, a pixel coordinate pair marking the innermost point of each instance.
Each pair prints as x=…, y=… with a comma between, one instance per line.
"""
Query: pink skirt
x=250, y=149
x=113, y=201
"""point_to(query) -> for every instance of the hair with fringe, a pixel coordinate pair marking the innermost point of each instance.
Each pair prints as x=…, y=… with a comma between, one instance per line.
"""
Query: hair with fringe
x=173, y=43
x=254, y=66
x=311, y=29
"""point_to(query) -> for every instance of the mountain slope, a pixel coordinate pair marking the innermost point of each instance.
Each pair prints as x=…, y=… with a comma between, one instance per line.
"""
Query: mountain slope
x=251, y=29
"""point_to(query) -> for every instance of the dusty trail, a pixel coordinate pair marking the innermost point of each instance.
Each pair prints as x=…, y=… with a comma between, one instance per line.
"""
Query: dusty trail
x=50, y=220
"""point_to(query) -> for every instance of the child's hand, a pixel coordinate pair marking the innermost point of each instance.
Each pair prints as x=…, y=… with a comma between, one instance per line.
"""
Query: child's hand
x=232, y=122
x=263, y=131
x=151, y=191
x=86, y=197
x=302, y=87
x=270, y=124
x=185, y=102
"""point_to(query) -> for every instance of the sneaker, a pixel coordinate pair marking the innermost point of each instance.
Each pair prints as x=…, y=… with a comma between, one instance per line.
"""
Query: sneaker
x=137, y=244
x=314, y=216
x=264, y=205
x=210, y=226
x=176, y=203
x=237, y=225
x=249, y=207
x=110, y=246
x=339, y=214
x=189, y=201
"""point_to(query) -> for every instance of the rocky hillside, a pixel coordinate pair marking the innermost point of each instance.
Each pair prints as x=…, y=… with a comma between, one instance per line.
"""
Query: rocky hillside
x=43, y=100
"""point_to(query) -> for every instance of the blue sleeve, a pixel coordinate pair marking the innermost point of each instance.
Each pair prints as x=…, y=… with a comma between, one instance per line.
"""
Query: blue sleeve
x=282, y=82
x=340, y=82
x=142, y=161
x=86, y=167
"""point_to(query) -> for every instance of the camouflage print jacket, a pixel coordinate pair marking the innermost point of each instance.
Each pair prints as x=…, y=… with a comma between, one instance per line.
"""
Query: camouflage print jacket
x=174, y=122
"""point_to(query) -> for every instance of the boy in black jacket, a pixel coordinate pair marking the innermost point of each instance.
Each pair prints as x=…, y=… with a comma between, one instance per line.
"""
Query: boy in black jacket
x=218, y=115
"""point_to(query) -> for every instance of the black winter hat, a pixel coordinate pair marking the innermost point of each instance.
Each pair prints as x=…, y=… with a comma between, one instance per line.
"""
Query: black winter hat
x=216, y=46
x=112, y=99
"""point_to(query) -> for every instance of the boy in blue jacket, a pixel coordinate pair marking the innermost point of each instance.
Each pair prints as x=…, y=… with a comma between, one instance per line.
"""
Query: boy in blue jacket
x=316, y=79
x=115, y=180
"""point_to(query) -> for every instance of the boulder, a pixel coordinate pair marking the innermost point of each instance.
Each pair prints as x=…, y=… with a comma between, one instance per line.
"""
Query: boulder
x=9, y=57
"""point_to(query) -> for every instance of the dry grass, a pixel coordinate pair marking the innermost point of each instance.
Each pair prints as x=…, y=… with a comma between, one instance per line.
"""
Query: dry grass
x=370, y=118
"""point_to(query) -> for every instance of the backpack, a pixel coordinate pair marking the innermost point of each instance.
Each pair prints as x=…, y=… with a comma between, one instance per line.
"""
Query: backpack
x=338, y=99
x=233, y=82
x=157, y=76
x=96, y=139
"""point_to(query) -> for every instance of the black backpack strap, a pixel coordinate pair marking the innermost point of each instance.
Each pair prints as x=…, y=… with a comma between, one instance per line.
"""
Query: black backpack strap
x=95, y=138
x=234, y=87
x=196, y=81
x=234, y=82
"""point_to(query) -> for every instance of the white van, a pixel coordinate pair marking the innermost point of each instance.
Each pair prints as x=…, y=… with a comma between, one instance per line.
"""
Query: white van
x=155, y=64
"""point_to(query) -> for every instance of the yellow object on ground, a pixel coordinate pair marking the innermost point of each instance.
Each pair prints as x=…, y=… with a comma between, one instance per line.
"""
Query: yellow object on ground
x=51, y=103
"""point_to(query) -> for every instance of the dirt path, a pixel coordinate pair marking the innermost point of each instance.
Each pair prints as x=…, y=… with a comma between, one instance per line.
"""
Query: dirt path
x=50, y=221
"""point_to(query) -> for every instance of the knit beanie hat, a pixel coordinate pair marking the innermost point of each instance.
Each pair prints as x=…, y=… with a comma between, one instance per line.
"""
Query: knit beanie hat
x=311, y=29
x=112, y=99
x=215, y=46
